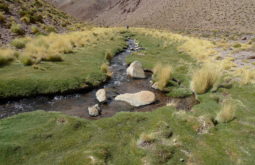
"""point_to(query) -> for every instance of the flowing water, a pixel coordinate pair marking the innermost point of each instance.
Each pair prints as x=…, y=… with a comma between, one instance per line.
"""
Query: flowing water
x=77, y=104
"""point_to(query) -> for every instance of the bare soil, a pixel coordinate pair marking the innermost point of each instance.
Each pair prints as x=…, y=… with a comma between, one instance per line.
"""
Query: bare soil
x=224, y=15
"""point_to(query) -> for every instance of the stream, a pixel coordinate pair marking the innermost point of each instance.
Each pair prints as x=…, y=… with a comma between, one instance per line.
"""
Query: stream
x=77, y=104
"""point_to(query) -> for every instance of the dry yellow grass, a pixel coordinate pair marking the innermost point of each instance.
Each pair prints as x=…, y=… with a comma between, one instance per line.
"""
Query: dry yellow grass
x=205, y=78
x=146, y=138
x=227, y=63
x=227, y=112
x=161, y=75
x=106, y=69
x=6, y=55
x=50, y=48
x=199, y=49
x=246, y=75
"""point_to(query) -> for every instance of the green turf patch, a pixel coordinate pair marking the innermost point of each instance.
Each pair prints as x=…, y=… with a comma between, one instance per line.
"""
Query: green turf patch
x=164, y=136
x=78, y=70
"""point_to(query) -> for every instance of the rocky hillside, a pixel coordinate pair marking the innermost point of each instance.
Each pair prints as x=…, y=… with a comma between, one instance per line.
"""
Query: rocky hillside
x=228, y=15
x=30, y=17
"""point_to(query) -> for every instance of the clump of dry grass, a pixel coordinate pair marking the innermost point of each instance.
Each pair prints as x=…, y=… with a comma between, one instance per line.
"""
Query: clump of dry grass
x=146, y=139
x=205, y=78
x=247, y=75
x=108, y=55
x=6, y=56
x=227, y=112
x=20, y=43
x=161, y=75
x=17, y=29
x=2, y=17
x=105, y=69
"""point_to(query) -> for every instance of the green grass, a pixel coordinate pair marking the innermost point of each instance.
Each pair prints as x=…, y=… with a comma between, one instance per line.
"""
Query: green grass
x=53, y=138
x=156, y=52
x=77, y=70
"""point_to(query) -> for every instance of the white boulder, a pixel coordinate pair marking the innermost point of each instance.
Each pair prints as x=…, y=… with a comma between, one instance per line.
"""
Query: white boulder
x=101, y=95
x=135, y=70
x=94, y=110
x=137, y=99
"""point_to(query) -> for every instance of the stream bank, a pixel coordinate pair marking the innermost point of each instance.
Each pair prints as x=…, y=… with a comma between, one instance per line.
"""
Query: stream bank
x=77, y=104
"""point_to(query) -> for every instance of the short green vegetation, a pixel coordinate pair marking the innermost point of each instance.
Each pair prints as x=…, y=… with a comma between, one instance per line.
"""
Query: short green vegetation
x=218, y=130
x=76, y=70
x=164, y=136
x=158, y=55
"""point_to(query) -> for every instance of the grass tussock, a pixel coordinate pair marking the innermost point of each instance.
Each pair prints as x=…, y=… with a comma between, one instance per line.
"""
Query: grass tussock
x=162, y=74
x=246, y=76
x=35, y=29
x=205, y=78
x=146, y=139
x=106, y=69
x=17, y=29
x=227, y=112
x=20, y=43
x=2, y=17
x=6, y=56
x=50, y=48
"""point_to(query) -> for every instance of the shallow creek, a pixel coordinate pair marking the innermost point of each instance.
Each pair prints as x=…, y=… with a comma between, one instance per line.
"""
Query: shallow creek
x=77, y=104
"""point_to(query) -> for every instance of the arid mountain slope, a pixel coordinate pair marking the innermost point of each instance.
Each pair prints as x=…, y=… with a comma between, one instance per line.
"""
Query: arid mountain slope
x=230, y=15
x=30, y=17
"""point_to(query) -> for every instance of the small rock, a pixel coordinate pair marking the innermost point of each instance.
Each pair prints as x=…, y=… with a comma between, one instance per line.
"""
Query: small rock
x=155, y=85
x=181, y=160
x=244, y=38
x=94, y=110
x=135, y=70
x=137, y=99
x=101, y=95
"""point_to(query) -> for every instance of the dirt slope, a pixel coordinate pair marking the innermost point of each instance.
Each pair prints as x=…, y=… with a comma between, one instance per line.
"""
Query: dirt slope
x=230, y=15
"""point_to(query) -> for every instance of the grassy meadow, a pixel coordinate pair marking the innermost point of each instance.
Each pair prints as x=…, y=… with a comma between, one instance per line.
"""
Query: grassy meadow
x=59, y=62
x=218, y=130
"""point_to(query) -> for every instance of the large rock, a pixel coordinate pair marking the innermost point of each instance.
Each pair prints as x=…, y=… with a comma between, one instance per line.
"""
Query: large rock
x=94, y=110
x=137, y=99
x=101, y=95
x=135, y=70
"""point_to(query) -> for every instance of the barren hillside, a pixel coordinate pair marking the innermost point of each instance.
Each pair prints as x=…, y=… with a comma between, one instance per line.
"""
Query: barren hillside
x=30, y=17
x=230, y=15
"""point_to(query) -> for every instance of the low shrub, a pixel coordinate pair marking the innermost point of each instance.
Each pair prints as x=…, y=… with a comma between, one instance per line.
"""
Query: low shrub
x=205, y=78
x=35, y=29
x=27, y=60
x=25, y=19
x=2, y=17
x=50, y=29
x=17, y=29
x=237, y=45
x=53, y=58
x=4, y=7
x=20, y=43
x=6, y=56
